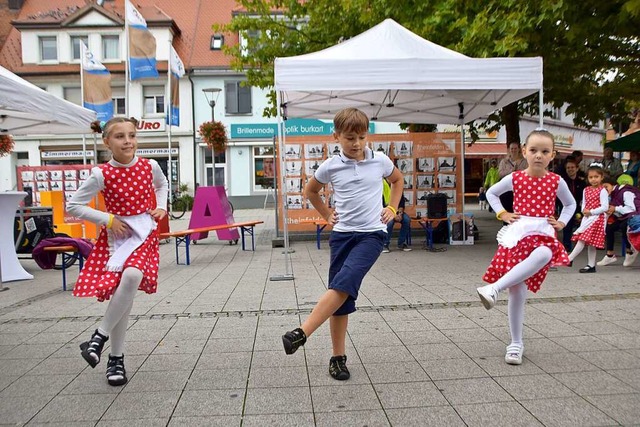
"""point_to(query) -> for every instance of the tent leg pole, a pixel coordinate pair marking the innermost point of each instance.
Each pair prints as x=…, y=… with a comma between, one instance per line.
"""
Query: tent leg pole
x=461, y=117
x=288, y=275
x=541, y=106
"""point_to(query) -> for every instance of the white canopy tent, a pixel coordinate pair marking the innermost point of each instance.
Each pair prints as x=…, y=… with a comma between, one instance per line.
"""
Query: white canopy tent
x=27, y=109
x=393, y=75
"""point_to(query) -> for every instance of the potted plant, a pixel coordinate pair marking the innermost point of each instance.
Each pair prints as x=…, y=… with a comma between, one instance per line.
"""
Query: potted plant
x=6, y=145
x=214, y=134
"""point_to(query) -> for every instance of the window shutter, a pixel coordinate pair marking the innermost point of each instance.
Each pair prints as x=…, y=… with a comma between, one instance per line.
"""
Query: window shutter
x=231, y=97
x=244, y=99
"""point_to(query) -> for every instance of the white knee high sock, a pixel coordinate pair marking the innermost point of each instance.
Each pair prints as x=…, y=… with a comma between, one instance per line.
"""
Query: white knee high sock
x=118, y=333
x=591, y=256
x=515, y=308
x=121, y=300
x=527, y=268
x=576, y=250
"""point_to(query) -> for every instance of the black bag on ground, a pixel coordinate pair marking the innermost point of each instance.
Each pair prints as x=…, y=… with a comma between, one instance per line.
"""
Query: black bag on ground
x=437, y=205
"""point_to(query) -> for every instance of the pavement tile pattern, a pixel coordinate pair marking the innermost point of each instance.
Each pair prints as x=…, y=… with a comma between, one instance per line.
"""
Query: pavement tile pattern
x=206, y=350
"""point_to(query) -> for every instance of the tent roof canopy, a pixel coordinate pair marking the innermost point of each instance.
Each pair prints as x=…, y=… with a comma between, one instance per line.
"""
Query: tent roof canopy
x=629, y=142
x=27, y=109
x=394, y=75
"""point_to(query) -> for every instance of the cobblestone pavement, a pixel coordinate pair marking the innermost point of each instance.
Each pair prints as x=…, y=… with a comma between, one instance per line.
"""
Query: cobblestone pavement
x=206, y=350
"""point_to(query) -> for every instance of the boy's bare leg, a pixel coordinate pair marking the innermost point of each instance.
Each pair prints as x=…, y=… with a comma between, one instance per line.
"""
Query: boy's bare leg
x=338, y=327
x=324, y=309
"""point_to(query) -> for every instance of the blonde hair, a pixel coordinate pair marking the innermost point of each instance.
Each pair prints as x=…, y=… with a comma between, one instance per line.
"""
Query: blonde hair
x=105, y=127
x=350, y=120
x=543, y=133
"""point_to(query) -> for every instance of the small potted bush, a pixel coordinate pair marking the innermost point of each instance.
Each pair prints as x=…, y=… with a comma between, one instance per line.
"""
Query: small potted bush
x=214, y=134
x=6, y=145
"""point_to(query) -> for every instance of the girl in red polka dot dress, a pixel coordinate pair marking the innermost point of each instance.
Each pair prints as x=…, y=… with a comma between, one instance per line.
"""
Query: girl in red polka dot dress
x=595, y=203
x=528, y=245
x=125, y=257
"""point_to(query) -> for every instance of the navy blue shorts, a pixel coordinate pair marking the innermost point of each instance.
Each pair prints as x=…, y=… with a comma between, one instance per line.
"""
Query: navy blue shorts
x=352, y=256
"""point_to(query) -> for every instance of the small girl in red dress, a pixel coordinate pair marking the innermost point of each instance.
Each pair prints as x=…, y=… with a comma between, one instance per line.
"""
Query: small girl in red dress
x=126, y=255
x=527, y=245
x=595, y=203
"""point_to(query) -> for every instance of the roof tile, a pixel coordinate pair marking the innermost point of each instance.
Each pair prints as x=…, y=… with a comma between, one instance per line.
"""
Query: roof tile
x=194, y=19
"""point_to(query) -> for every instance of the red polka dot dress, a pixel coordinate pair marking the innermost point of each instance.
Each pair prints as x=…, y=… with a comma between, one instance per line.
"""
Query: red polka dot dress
x=533, y=197
x=592, y=231
x=127, y=191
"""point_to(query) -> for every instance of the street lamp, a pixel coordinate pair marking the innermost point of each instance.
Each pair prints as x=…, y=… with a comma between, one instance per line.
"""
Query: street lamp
x=212, y=94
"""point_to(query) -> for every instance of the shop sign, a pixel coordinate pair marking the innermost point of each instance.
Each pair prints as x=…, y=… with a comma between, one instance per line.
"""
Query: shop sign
x=151, y=125
x=66, y=154
x=563, y=140
x=293, y=127
x=146, y=152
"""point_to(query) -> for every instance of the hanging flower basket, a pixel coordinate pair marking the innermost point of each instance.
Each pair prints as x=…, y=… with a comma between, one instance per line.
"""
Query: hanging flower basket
x=214, y=134
x=6, y=145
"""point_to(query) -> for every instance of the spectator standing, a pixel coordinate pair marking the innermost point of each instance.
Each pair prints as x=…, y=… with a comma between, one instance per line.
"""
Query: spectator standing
x=611, y=166
x=633, y=166
x=512, y=163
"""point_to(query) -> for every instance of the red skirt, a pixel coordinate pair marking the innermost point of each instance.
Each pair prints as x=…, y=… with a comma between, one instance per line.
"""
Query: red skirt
x=95, y=281
x=594, y=235
x=507, y=258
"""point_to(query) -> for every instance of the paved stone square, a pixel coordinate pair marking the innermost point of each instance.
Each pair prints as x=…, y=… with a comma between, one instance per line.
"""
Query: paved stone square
x=206, y=349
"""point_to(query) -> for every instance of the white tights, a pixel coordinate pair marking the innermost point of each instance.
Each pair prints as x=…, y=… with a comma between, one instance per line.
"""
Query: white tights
x=116, y=318
x=591, y=253
x=513, y=280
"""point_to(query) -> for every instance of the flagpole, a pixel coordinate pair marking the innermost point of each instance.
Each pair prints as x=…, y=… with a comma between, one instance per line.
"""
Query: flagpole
x=127, y=62
x=170, y=125
x=83, y=53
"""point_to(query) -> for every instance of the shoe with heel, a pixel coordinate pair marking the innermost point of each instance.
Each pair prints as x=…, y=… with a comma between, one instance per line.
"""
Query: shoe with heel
x=92, y=350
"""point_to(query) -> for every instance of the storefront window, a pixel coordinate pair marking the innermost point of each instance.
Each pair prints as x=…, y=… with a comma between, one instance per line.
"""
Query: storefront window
x=264, y=167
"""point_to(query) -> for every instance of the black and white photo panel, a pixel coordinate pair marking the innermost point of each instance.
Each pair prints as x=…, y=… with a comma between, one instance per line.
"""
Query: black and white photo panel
x=405, y=165
x=334, y=149
x=42, y=176
x=56, y=175
x=446, y=180
x=451, y=196
x=422, y=197
x=313, y=151
x=408, y=195
x=293, y=167
x=84, y=174
x=403, y=148
x=294, y=202
x=56, y=186
x=27, y=176
x=446, y=164
x=43, y=185
x=408, y=181
x=424, y=181
x=70, y=185
x=292, y=151
x=70, y=175
x=382, y=147
x=311, y=166
x=294, y=185
x=421, y=213
x=426, y=164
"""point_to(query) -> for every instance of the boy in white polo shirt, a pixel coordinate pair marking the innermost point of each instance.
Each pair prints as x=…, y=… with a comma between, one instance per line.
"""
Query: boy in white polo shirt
x=358, y=229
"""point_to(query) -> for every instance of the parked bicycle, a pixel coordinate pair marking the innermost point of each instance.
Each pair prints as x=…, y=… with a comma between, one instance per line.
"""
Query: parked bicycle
x=178, y=205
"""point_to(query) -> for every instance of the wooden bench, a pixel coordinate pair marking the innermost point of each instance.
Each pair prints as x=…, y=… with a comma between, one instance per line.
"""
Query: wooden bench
x=68, y=253
x=321, y=224
x=184, y=236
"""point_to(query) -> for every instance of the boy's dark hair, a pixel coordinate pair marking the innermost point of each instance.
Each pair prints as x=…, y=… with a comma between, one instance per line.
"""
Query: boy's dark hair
x=609, y=180
x=350, y=120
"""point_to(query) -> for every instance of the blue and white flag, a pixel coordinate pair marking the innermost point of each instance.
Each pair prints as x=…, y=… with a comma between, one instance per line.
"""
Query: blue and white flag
x=142, y=46
x=177, y=71
x=96, y=85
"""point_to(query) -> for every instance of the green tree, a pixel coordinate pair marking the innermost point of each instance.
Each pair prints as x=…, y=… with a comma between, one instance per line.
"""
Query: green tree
x=590, y=48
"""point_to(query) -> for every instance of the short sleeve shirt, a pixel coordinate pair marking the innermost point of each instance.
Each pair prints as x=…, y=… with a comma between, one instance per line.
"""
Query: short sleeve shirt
x=357, y=189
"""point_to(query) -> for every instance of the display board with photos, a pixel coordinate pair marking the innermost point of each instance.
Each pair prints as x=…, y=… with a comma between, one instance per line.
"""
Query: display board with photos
x=429, y=163
x=64, y=178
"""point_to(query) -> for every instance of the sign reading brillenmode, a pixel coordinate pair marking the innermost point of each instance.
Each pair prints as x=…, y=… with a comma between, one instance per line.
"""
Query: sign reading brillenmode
x=293, y=127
